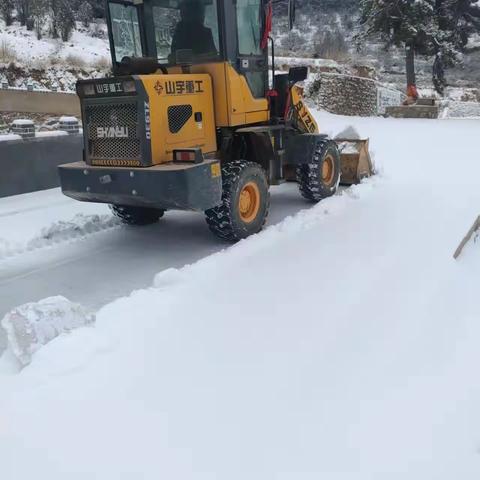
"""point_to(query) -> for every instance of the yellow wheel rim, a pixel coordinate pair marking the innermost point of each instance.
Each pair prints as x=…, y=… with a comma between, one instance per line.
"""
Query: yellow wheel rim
x=328, y=170
x=249, y=202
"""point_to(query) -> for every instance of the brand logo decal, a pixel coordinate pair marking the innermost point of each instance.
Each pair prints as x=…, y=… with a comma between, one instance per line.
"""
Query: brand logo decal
x=305, y=117
x=112, y=132
x=109, y=87
x=158, y=87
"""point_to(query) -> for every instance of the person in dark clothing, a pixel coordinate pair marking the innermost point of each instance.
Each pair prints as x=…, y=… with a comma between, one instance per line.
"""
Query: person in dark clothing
x=191, y=33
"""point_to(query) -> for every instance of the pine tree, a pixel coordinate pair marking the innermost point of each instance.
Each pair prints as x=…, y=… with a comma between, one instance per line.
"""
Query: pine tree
x=457, y=21
x=23, y=10
x=85, y=13
x=65, y=19
x=412, y=24
x=6, y=11
x=38, y=9
x=98, y=7
x=460, y=17
x=433, y=28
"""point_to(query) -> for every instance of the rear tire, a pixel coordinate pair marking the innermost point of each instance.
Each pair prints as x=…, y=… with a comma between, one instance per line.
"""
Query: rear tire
x=245, y=202
x=319, y=178
x=137, y=215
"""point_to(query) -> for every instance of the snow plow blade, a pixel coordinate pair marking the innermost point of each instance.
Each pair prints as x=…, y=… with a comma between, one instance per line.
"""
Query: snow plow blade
x=355, y=159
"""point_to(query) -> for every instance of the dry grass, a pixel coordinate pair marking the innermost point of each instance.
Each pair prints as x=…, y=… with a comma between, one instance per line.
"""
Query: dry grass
x=54, y=60
x=101, y=64
x=331, y=46
x=7, y=53
x=75, y=61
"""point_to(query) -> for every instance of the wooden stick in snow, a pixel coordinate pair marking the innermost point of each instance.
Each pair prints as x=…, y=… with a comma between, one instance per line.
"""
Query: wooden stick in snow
x=475, y=227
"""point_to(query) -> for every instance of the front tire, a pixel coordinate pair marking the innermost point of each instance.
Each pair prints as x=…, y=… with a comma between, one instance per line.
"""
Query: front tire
x=319, y=178
x=137, y=215
x=245, y=202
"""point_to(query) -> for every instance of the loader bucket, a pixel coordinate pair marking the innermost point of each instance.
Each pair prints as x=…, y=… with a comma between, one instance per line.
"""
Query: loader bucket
x=355, y=160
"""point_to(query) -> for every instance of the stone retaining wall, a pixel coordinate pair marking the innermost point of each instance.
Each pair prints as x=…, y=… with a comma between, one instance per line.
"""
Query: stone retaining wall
x=461, y=109
x=349, y=95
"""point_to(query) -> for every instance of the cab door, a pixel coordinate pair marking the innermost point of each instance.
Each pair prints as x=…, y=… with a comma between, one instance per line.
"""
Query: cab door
x=252, y=61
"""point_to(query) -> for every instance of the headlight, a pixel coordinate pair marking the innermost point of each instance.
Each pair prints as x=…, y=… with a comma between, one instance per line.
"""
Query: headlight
x=129, y=86
x=89, y=89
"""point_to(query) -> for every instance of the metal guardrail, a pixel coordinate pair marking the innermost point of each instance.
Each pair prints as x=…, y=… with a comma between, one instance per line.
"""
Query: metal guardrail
x=39, y=101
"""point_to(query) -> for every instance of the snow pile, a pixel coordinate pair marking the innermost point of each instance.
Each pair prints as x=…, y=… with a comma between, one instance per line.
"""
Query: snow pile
x=461, y=110
x=78, y=226
x=341, y=343
x=349, y=133
x=33, y=325
x=49, y=232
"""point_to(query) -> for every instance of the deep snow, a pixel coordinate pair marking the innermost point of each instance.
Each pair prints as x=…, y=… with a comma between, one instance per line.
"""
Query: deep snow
x=341, y=343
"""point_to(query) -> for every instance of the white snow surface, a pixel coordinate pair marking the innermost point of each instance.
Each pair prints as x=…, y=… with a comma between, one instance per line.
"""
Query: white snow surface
x=341, y=343
x=30, y=326
x=22, y=122
x=52, y=133
x=9, y=136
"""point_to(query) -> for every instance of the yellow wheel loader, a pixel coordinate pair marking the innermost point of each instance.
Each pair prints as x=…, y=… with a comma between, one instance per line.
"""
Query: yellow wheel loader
x=196, y=118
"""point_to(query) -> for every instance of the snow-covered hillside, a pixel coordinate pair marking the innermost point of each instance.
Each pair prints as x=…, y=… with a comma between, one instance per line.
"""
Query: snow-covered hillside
x=326, y=36
x=29, y=51
x=341, y=343
x=48, y=63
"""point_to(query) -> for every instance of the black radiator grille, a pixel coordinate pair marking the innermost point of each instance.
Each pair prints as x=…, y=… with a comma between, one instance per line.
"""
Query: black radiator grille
x=112, y=133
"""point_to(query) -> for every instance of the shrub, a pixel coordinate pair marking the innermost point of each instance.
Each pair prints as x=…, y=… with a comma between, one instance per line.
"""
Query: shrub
x=85, y=13
x=75, y=61
x=331, y=45
x=101, y=64
x=7, y=53
x=96, y=30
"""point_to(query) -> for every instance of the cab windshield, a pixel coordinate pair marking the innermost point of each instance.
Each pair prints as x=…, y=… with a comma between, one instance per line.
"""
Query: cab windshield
x=186, y=25
x=125, y=30
x=179, y=25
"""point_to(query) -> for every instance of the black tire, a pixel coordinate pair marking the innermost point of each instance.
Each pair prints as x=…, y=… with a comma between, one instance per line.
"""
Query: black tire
x=228, y=221
x=319, y=178
x=137, y=215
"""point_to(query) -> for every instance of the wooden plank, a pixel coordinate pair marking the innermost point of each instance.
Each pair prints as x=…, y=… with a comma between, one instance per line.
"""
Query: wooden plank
x=467, y=238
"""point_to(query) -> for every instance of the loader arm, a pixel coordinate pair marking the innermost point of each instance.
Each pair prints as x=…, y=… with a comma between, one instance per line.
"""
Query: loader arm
x=299, y=114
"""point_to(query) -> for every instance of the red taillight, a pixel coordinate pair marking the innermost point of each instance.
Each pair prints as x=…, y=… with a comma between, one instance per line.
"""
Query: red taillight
x=182, y=156
x=191, y=155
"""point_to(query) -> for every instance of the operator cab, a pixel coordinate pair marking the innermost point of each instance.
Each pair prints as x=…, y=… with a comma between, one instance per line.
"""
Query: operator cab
x=204, y=31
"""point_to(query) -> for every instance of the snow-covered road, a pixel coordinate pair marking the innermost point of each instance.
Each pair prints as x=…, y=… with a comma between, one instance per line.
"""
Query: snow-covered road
x=92, y=260
x=341, y=343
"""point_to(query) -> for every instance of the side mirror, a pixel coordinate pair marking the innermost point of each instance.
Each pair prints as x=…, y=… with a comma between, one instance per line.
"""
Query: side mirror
x=297, y=74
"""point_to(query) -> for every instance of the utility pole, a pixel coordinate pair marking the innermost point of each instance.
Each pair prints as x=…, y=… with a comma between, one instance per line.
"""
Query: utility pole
x=412, y=94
